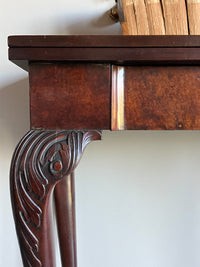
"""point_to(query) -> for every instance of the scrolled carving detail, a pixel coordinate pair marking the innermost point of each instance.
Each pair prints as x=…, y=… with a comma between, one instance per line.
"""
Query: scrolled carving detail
x=41, y=159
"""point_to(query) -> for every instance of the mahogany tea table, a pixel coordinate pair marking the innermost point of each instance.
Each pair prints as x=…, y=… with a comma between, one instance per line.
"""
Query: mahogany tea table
x=79, y=86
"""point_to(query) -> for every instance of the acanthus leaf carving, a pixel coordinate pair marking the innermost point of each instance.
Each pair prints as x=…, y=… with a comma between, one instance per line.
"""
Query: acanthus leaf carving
x=42, y=158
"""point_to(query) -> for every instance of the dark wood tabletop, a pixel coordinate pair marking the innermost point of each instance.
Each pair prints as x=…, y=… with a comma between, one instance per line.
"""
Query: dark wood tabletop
x=116, y=49
x=103, y=41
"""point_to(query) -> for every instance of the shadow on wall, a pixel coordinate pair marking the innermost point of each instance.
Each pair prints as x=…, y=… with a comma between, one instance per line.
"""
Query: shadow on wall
x=95, y=24
x=14, y=113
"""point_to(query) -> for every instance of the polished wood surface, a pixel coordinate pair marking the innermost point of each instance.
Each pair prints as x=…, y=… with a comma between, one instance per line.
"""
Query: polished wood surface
x=105, y=49
x=64, y=195
x=126, y=56
x=162, y=98
x=41, y=160
x=92, y=41
x=78, y=96
x=70, y=96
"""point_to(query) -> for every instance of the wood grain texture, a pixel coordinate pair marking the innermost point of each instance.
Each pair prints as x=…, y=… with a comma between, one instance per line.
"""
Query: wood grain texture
x=70, y=96
x=193, y=8
x=155, y=17
x=162, y=98
x=41, y=160
x=175, y=16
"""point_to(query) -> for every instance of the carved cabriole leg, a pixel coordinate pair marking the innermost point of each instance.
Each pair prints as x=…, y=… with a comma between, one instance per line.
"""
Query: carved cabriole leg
x=40, y=161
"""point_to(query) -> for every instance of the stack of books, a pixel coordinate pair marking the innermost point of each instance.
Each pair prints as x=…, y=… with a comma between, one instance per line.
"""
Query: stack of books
x=161, y=17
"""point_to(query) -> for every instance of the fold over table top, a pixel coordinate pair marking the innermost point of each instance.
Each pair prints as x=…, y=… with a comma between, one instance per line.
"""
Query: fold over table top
x=116, y=49
x=109, y=90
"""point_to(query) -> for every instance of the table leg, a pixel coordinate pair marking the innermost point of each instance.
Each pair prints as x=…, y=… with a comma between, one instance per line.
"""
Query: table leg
x=64, y=194
x=41, y=160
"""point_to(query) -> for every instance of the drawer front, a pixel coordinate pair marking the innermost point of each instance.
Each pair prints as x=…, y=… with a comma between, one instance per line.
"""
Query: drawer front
x=162, y=97
x=70, y=96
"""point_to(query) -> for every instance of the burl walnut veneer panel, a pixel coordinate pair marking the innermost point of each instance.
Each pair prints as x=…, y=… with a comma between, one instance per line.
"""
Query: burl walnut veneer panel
x=70, y=96
x=162, y=97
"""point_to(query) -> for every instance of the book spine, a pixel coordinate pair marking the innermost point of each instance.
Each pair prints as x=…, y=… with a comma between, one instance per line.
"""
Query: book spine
x=175, y=16
x=141, y=17
x=155, y=17
x=193, y=7
x=129, y=27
